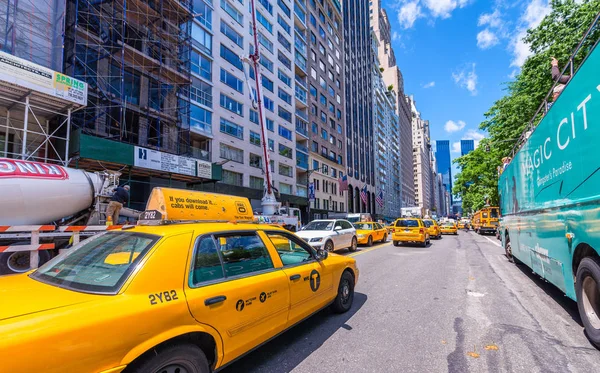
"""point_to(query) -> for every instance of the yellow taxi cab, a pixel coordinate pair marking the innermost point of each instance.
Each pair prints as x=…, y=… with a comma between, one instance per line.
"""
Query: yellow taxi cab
x=432, y=228
x=460, y=225
x=369, y=232
x=410, y=230
x=168, y=295
x=449, y=227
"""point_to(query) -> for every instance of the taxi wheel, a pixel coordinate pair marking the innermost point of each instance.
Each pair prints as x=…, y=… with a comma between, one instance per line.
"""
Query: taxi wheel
x=343, y=302
x=384, y=238
x=182, y=358
x=354, y=244
x=370, y=241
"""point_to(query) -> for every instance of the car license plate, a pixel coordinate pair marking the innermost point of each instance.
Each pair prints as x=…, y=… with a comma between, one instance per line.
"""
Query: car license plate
x=406, y=230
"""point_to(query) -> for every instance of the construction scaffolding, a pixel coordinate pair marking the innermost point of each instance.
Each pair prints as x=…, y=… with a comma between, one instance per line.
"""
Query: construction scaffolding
x=135, y=57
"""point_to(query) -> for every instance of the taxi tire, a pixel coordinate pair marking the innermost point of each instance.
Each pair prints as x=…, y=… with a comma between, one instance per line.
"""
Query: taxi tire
x=188, y=356
x=384, y=239
x=370, y=241
x=338, y=305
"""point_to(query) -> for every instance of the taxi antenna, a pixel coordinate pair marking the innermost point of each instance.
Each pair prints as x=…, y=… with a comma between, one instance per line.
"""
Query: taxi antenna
x=269, y=201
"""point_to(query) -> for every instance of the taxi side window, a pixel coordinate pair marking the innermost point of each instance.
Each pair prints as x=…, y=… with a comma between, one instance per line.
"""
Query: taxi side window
x=243, y=253
x=427, y=223
x=207, y=265
x=290, y=251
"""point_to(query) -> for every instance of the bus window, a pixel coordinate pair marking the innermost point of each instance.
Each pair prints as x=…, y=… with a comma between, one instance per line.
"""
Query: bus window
x=484, y=215
x=494, y=213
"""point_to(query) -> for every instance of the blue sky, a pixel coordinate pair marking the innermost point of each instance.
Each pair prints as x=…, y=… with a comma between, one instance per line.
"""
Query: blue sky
x=456, y=55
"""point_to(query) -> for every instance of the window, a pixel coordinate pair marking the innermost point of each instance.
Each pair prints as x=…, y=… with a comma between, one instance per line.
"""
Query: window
x=325, y=169
x=323, y=117
x=287, y=28
x=313, y=109
x=338, y=99
x=207, y=264
x=254, y=116
x=201, y=92
x=313, y=38
x=284, y=60
x=340, y=144
x=322, y=83
x=232, y=11
x=243, y=253
x=265, y=42
x=284, y=78
x=338, y=114
x=255, y=161
x=285, y=151
x=340, y=160
x=331, y=91
x=323, y=99
x=231, y=153
x=232, y=34
x=269, y=104
x=337, y=83
x=321, y=48
x=232, y=129
x=285, y=170
x=285, y=188
x=313, y=90
x=313, y=55
x=333, y=173
x=290, y=250
x=324, y=134
x=201, y=65
x=284, y=96
x=232, y=58
x=257, y=182
x=330, y=44
x=329, y=28
x=313, y=20
x=271, y=146
x=321, y=16
x=331, y=139
x=284, y=7
x=331, y=108
x=313, y=73
x=314, y=146
x=267, y=83
x=267, y=5
x=94, y=258
x=330, y=75
x=284, y=114
x=203, y=13
x=283, y=41
x=200, y=119
x=254, y=138
x=232, y=81
x=314, y=128
x=232, y=105
x=201, y=39
x=321, y=65
x=330, y=60
x=232, y=178
x=315, y=164
x=285, y=133
x=322, y=32
x=270, y=125
x=263, y=21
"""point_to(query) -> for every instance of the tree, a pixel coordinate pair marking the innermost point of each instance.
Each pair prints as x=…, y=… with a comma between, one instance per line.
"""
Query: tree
x=557, y=35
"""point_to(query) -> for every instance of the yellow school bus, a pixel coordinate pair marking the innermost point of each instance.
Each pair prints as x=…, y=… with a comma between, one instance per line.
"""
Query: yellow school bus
x=486, y=220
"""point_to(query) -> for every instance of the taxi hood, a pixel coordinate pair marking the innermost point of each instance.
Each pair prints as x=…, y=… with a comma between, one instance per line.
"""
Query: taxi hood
x=23, y=296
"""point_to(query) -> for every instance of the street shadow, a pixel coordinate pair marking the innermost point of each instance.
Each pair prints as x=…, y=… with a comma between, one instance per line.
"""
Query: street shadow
x=569, y=305
x=288, y=350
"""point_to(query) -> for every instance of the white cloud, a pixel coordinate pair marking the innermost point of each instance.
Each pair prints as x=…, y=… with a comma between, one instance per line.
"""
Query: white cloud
x=474, y=135
x=429, y=85
x=467, y=78
x=455, y=147
x=452, y=126
x=534, y=14
x=513, y=74
x=408, y=14
x=492, y=20
x=444, y=8
x=395, y=36
x=486, y=39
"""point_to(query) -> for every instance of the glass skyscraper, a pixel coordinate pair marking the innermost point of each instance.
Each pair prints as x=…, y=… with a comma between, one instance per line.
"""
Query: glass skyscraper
x=466, y=146
x=444, y=164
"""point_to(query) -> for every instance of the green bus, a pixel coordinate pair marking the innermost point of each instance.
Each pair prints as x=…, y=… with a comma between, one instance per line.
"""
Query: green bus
x=550, y=195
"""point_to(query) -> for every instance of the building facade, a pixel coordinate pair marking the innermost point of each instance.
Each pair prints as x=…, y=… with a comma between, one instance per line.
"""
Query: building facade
x=444, y=167
x=466, y=146
x=421, y=160
x=360, y=155
x=320, y=71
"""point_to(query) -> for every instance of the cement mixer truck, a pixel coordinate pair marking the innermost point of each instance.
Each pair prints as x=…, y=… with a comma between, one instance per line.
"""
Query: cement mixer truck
x=46, y=207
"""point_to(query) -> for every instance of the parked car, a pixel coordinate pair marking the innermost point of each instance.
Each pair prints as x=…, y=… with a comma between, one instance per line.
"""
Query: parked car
x=410, y=230
x=330, y=234
x=369, y=232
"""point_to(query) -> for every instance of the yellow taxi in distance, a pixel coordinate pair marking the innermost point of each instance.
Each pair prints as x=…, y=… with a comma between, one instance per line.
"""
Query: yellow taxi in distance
x=410, y=230
x=167, y=295
x=369, y=232
x=449, y=228
x=432, y=228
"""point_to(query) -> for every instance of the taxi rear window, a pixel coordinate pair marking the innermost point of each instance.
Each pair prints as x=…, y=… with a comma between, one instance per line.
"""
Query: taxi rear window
x=100, y=264
x=407, y=223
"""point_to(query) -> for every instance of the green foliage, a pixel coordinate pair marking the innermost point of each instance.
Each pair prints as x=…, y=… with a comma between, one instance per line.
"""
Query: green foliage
x=557, y=36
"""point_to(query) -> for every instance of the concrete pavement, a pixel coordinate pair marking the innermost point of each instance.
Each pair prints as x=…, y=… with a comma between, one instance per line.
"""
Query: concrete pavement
x=455, y=306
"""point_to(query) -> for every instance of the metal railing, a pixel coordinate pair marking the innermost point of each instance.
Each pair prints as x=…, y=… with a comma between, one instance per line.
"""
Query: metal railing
x=528, y=131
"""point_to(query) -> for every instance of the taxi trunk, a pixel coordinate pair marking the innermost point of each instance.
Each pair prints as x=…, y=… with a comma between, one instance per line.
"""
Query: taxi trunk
x=409, y=234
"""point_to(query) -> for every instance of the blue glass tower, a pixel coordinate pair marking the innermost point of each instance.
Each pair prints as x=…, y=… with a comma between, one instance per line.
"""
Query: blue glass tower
x=444, y=165
x=466, y=146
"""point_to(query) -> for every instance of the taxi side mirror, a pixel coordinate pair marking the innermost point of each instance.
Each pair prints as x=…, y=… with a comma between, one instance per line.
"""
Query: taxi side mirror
x=322, y=254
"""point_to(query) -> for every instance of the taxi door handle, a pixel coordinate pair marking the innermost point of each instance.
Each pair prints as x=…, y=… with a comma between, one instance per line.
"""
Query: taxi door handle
x=214, y=300
x=295, y=277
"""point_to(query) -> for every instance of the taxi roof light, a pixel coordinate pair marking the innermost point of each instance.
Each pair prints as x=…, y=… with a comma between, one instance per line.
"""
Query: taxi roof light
x=167, y=205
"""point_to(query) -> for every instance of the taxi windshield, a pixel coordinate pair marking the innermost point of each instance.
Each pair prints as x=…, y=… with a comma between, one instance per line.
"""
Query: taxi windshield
x=448, y=224
x=100, y=264
x=363, y=226
x=319, y=226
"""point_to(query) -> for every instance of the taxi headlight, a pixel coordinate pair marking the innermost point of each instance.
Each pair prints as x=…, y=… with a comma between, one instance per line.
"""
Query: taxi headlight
x=316, y=239
x=361, y=236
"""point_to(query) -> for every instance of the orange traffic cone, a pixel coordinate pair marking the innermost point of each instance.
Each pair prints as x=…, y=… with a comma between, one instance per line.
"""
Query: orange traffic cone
x=109, y=221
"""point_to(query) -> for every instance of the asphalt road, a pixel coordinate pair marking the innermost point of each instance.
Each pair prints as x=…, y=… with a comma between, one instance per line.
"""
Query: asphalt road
x=455, y=306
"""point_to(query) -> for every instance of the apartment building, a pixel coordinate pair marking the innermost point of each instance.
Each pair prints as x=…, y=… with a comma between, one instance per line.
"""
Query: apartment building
x=358, y=54
x=393, y=79
x=319, y=47
x=421, y=159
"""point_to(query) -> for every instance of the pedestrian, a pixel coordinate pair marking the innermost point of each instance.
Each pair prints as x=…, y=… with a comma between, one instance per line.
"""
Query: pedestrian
x=119, y=197
x=557, y=77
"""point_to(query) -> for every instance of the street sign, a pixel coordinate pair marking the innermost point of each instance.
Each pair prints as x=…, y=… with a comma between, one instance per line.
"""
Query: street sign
x=311, y=191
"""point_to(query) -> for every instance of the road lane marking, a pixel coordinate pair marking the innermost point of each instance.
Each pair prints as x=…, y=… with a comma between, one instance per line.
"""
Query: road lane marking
x=492, y=241
x=367, y=250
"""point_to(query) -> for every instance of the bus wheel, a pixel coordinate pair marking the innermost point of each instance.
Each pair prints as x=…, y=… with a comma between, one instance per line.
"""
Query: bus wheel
x=508, y=251
x=587, y=289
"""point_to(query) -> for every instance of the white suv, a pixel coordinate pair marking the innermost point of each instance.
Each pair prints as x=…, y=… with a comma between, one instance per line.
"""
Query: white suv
x=329, y=234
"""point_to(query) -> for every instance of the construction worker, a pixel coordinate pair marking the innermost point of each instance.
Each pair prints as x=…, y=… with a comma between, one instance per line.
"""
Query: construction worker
x=119, y=197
